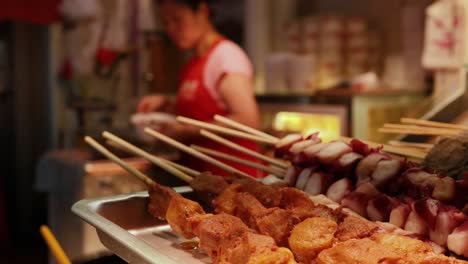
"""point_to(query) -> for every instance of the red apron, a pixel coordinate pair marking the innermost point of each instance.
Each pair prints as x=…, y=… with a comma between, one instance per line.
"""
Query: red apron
x=194, y=101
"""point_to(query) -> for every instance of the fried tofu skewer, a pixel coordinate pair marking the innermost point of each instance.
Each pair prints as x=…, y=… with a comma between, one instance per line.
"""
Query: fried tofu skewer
x=224, y=237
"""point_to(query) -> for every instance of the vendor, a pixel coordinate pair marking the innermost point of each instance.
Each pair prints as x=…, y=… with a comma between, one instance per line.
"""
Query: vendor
x=217, y=80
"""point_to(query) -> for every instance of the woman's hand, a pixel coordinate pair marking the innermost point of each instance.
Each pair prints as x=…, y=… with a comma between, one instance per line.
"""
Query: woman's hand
x=151, y=103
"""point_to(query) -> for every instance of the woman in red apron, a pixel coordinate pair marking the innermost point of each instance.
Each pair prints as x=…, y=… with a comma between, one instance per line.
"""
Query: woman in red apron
x=216, y=81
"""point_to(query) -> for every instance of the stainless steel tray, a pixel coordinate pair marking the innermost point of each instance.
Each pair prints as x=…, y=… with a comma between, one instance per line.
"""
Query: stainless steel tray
x=126, y=228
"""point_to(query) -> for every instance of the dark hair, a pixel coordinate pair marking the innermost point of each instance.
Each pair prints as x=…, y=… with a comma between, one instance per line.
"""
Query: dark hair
x=193, y=4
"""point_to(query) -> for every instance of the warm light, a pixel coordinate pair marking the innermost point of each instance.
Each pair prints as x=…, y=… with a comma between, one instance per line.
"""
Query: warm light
x=306, y=123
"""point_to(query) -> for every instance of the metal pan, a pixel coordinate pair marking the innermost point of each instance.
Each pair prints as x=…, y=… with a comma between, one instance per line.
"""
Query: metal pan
x=126, y=228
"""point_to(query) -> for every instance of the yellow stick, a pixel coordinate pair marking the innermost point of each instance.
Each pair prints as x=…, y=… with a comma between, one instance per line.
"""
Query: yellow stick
x=54, y=245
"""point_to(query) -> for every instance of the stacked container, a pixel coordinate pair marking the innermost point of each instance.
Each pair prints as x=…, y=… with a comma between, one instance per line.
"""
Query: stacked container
x=330, y=54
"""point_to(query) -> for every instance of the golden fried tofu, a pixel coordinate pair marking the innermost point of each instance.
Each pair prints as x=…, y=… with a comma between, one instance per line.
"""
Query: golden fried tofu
x=358, y=251
x=280, y=255
x=355, y=227
x=224, y=203
x=402, y=245
x=310, y=237
x=179, y=212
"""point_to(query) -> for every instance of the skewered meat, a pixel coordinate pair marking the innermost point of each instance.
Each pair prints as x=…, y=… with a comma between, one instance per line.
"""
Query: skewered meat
x=339, y=189
x=209, y=183
x=274, y=221
x=304, y=177
x=183, y=215
x=362, y=251
x=399, y=215
x=399, y=179
x=346, y=164
x=354, y=227
x=291, y=175
x=225, y=202
x=310, y=237
x=457, y=241
x=332, y=151
x=448, y=218
x=224, y=237
x=358, y=199
x=256, y=249
x=386, y=171
x=383, y=248
x=318, y=183
x=416, y=224
x=301, y=206
x=380, y=207
x=283, y=146
x=367, y=166
x=160, y=197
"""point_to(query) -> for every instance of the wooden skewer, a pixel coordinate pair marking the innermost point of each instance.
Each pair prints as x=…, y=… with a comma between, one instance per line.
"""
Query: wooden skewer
x=420, y=128
x=194, y=152
x=428, y=132
x=54, y=245
x=147, y=180
x=244, y=150
x=237, y=125
x=410, y=144
x=224, y=130
x=214, y=153
x=157, y=161
x=432, y=123
x=392, y=149
x=182, y=168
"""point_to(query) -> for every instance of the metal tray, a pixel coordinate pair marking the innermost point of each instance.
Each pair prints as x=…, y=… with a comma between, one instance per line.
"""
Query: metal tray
x=126, y=228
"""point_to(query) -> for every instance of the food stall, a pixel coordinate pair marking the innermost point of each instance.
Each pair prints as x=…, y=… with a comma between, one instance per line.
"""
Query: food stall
x=367, y=200
x=360, y=155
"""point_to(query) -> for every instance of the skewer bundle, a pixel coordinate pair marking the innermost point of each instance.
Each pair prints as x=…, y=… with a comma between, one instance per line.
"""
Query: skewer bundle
x=227, y=239
x=322, y=162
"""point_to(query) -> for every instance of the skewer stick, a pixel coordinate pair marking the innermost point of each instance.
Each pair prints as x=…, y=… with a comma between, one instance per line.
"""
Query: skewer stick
x=147, y=180
x=420, y=128
x=54, y=245
x=214, y=153
x=182, y=168
x=425, y=146
x=392, y=149
x=237, y=125
x=428, y=132
x=157, y=161
x=432, y=123
x=224, y=130
x=194, y=152
x=244, y=150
